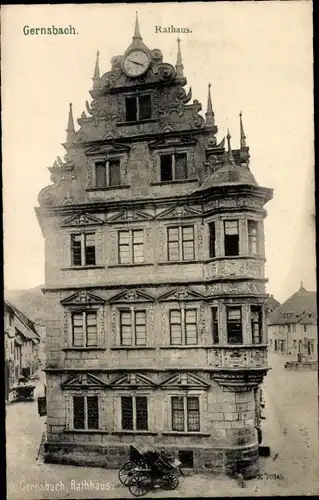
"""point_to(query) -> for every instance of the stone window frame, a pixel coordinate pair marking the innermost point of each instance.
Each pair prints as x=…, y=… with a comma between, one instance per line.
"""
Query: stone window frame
x=117, y=406
x=89, y=229
x=182, y=309
x=117, y=308
x=174, y=305
x=106, y=157
x=131, y=244
x=180, y=225
x=260, y=231
x=185, y=393
x=69, y=415
x=133, y=310
x=172, y=150
x=137, y=94
x=99, y=309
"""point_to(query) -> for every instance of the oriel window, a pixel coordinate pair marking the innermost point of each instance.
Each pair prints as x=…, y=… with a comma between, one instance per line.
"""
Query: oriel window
x=134, y=413
x=256, y=324
x=231, y=237
x=253, y=237
x=131, y=246
x=85, y=412
x=173, y=167
x=212, y=239
x=83, y=249
x=138, y=108
x=84, y=329
x=181, y=244
x=234, y=325
x=108, y=173
x=185, y=413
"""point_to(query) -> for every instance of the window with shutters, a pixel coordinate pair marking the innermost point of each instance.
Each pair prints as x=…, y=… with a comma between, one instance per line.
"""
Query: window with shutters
x=83, y=249
x=131, y=246
x=134, y=413
x=256, y=324
x=173, y=167
x=231, y=237
x=185, y=413
x=252, y=237
x=183, y=326
x=138, y=108
x=84, y=329
x=215, y=328
x=133, y=327
x=108, y=173
x=234, y=325
x=85, y=412
x=180, y=243
x=212, y=239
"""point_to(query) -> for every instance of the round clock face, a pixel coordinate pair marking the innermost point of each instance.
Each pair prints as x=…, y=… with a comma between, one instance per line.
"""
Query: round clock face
x=136, y=63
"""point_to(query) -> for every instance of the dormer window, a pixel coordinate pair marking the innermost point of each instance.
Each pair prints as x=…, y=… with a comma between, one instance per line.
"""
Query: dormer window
x=108, y=173
x=173, y=167
x=138, y=108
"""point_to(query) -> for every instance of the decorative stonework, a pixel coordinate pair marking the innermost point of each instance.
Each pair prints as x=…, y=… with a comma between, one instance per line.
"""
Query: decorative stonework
x=240, y=357
x=83, y=381
x=131, y=296
x=184, y=381
x=239, y=380
x=81, y=220
x=234, y=202
x=236, y=287
x=181, y=294
x=133, y=381
x=82, y=298
x=179, y=212
x=129, y=216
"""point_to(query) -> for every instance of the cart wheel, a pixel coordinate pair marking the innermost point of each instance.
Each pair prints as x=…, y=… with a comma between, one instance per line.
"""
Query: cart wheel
x=126, y=472
x=169, y=481
x=140, y=484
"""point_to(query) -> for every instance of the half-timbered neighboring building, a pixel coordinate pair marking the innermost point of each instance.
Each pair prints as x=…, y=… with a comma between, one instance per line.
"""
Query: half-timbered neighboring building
x=154, y=276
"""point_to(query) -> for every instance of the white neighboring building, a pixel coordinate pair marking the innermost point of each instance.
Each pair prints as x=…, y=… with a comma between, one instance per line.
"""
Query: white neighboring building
x=292, y=327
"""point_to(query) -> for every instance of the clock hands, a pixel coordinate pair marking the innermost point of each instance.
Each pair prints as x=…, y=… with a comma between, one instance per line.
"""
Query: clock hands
x=135, y=62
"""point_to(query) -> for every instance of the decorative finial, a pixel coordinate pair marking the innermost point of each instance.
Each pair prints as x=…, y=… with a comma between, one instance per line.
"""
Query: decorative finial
x=70, y=131
x=137, y=34
x=179, y=63
x=230, y=154
x=301, y=284
x=210, y=113
x=96, y=75
x=242, y=133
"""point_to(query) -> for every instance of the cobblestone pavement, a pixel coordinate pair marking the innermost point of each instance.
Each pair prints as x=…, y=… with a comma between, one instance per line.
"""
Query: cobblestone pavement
x=290, y=429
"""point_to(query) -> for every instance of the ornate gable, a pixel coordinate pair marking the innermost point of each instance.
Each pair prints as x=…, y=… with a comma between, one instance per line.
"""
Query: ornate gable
x=133, y=381
x=184, y=381
x=129, y=296
x=83, y=381
x=164, y=143
x=82, y=220
x=179, y=212
x=113, y=148
x=82, y=298
x=181, y=294
x=128, y=216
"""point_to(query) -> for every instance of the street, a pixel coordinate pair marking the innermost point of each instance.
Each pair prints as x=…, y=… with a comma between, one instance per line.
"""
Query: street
x=290, y=429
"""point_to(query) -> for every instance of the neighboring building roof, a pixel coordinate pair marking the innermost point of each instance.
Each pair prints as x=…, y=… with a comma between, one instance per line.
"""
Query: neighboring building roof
x=272, y=303
x=301, y=308
x=27, y=325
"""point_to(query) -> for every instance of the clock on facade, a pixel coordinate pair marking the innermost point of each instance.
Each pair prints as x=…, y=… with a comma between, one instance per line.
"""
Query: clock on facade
x=136, y=63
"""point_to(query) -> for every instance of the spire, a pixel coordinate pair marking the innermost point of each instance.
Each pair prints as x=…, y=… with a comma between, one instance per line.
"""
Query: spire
x=230, y=154
x=179, y=63
x=209, y=113
x=242, y=133
x=137, y=34
x=70, y=131
x=96, y=75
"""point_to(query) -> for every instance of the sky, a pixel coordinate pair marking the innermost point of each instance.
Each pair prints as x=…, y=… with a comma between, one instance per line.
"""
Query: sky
x=256, y=55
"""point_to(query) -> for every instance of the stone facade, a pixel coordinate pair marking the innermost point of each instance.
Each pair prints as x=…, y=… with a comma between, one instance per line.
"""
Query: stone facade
x=137, y=288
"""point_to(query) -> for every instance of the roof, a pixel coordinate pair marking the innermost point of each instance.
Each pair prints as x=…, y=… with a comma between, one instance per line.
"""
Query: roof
x=301, y=308
x=229, y=174
x=26, y=325
x=272, y=303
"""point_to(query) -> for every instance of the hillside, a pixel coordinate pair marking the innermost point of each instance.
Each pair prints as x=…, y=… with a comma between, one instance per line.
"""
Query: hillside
x=31, y=302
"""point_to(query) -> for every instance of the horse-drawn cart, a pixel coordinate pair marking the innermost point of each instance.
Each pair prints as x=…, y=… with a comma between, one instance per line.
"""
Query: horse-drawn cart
x=24, y=391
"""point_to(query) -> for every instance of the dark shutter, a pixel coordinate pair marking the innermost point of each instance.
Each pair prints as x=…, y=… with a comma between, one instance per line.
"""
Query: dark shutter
x=78, y=412
x=212, y=239
x=100, y=173
x=90, y=249
x=127, y=413
x=114, y=173
x=93, y=412
x=166, y=168
x=141, y=413
x=131, y=109
x=145, y=107
x=180, y=166
x=215, y=325
x=76, y=249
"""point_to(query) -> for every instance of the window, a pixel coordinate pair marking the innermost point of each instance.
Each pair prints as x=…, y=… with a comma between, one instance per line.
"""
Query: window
x=276, y=345
x=185, y=413
x=231, y=235
x=252, y=237
x=234, y=326
x=256, y=324
x=83, y=249
x=84, y=329
x=131, y=246
x=134, y=413
x=180, y=241
x=294, y=328
x=305, y=328
x=212, y=240
x=289, y=328
x=138, y=108
x=85, y=412
x=183, y=326
x=133, y=327
x=173, y=167
x=108, y=173
x=215, y=325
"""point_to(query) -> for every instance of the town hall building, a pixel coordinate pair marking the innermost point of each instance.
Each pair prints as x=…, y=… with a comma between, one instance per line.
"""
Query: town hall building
x=154, y=277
